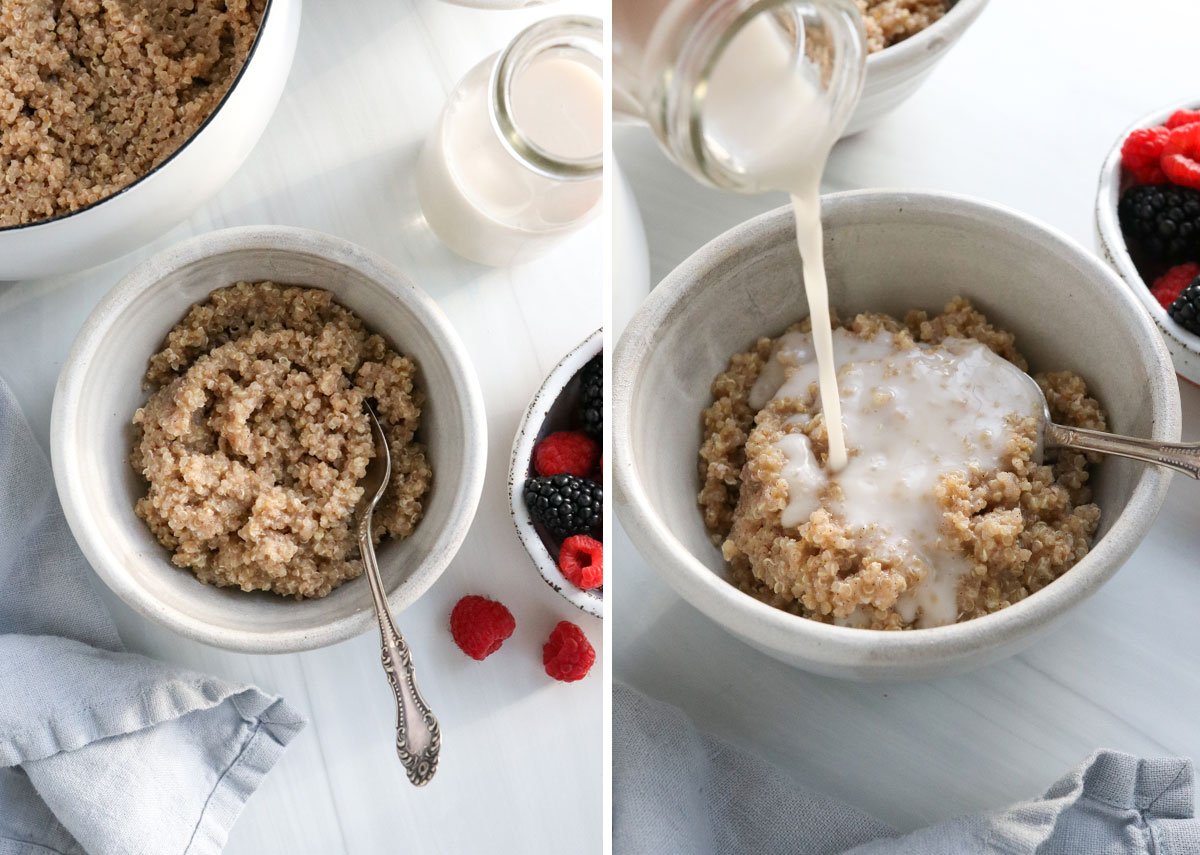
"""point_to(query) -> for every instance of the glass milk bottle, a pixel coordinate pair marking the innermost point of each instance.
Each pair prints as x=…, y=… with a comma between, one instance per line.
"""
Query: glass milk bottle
x=739, y=92
x=515, y=161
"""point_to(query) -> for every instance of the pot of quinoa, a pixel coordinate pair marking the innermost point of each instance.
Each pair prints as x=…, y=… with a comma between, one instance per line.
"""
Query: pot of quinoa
x=120, y=117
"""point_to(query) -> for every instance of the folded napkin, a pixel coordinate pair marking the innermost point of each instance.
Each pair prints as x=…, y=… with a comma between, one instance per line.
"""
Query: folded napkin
x=676, y=790
x=104, y=751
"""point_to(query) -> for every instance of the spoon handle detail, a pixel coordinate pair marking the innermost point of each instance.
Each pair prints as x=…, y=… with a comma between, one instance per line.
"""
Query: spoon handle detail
x=1180, y=456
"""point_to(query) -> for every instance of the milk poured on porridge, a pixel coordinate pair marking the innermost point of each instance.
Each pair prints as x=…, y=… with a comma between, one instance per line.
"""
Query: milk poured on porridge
x=913, y=415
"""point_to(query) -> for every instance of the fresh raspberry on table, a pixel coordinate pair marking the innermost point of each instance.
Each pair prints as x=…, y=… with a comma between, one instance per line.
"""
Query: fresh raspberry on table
x=581, y=560
x=1141, y=154
x=1183, y=117
x=567, y=654
x=566, y=452
x=1167, y=288
x=1181, y=156
x=480, y=626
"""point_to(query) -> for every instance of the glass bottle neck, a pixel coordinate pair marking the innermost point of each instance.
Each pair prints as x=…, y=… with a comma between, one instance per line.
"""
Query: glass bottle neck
x=665, y=52
x=568, y=38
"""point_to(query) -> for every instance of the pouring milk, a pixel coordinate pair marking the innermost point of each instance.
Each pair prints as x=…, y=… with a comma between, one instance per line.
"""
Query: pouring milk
x=766, y=116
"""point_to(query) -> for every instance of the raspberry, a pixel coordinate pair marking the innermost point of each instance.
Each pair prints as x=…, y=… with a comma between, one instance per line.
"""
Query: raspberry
x=1167, y=288
x=1141, y=153
x=1183, y=117
x=1181, y=156
x=566, y=452
x=581, y=560
x=567, y=654
x=480, y=626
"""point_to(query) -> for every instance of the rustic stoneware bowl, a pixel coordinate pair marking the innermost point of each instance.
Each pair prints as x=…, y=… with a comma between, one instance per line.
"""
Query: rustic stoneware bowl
x=1183, y=345
x=552, y=408
x=175, y=188
x=101, y=386
x=886, y=251
x=894, y=74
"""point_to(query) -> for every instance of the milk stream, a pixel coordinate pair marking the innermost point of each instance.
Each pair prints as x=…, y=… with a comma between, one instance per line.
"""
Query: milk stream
x=766, y=119
x=913, y=415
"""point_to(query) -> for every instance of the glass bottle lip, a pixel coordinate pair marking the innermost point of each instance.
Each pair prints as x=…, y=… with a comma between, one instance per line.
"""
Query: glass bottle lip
x=681, y=113
x=580, y=34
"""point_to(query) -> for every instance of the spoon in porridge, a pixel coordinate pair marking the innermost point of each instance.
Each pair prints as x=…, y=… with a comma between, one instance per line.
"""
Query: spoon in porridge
x=418, y=735
x=1181, y=456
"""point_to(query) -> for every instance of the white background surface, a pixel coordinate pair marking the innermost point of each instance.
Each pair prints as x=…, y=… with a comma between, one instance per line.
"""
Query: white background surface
x=1021, y=112
x=521, y=763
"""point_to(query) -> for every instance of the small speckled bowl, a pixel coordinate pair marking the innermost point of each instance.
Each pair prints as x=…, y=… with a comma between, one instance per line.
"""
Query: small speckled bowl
x=1183, y=345
x=101, y=385
x=890, y=252
x=552, y=408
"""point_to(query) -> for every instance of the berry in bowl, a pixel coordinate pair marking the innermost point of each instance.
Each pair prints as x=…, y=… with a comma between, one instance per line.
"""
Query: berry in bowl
x=556, y=494
x=1148, y=224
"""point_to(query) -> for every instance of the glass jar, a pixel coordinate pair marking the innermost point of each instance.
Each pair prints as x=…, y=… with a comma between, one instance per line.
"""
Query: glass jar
x=515, y=161
x=715, y=78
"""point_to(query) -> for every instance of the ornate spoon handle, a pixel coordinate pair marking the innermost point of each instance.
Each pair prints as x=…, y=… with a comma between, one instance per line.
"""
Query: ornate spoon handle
x=418, y=737
x=1180, y=456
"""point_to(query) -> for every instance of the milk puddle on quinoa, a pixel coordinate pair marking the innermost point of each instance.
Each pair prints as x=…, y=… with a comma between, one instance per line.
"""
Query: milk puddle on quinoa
x=911, y=415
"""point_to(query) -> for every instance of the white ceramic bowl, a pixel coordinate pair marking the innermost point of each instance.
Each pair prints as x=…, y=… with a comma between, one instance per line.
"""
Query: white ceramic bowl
x=171, y=191
x=1183, y=345
x=885, y=251
x=101, y=386
x=895, y=73
x=552, y=408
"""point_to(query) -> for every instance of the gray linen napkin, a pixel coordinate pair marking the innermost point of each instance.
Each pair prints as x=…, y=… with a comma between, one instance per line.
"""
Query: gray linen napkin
x=104, y=751
x=676, y=790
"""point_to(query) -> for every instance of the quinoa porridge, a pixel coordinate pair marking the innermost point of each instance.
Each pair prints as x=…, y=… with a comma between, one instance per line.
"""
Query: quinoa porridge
x=255, y=437
x=946, y=510
x=891, y=21
x=95, y=93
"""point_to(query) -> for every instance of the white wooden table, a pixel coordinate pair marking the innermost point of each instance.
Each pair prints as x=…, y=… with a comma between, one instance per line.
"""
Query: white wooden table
x=1022, y=112
x=522, y=763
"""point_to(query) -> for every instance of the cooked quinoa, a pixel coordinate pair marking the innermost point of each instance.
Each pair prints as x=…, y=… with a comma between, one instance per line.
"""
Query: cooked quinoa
x=891, y=21
x=255, y=438
x=1020, y=526
x=96, y=93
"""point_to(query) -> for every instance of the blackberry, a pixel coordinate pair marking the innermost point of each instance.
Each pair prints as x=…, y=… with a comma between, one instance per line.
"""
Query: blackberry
x=565, y=504
x=1185, y=311
x=1163, y=221
x=591, y=398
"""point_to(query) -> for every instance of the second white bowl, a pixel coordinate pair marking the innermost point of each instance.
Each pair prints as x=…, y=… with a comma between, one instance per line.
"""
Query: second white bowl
x=895, y=73
x=101, y=386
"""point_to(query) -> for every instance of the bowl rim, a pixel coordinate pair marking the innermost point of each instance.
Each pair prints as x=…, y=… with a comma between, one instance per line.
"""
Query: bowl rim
x=845, y=646
x=951, y=26
x=1112, y=239
x=154, y=170
x=466, y=396
x=522, y=454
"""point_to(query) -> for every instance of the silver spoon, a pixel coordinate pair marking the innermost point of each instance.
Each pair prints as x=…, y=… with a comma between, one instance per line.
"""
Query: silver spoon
x=1181, y=456
x=418, y=737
